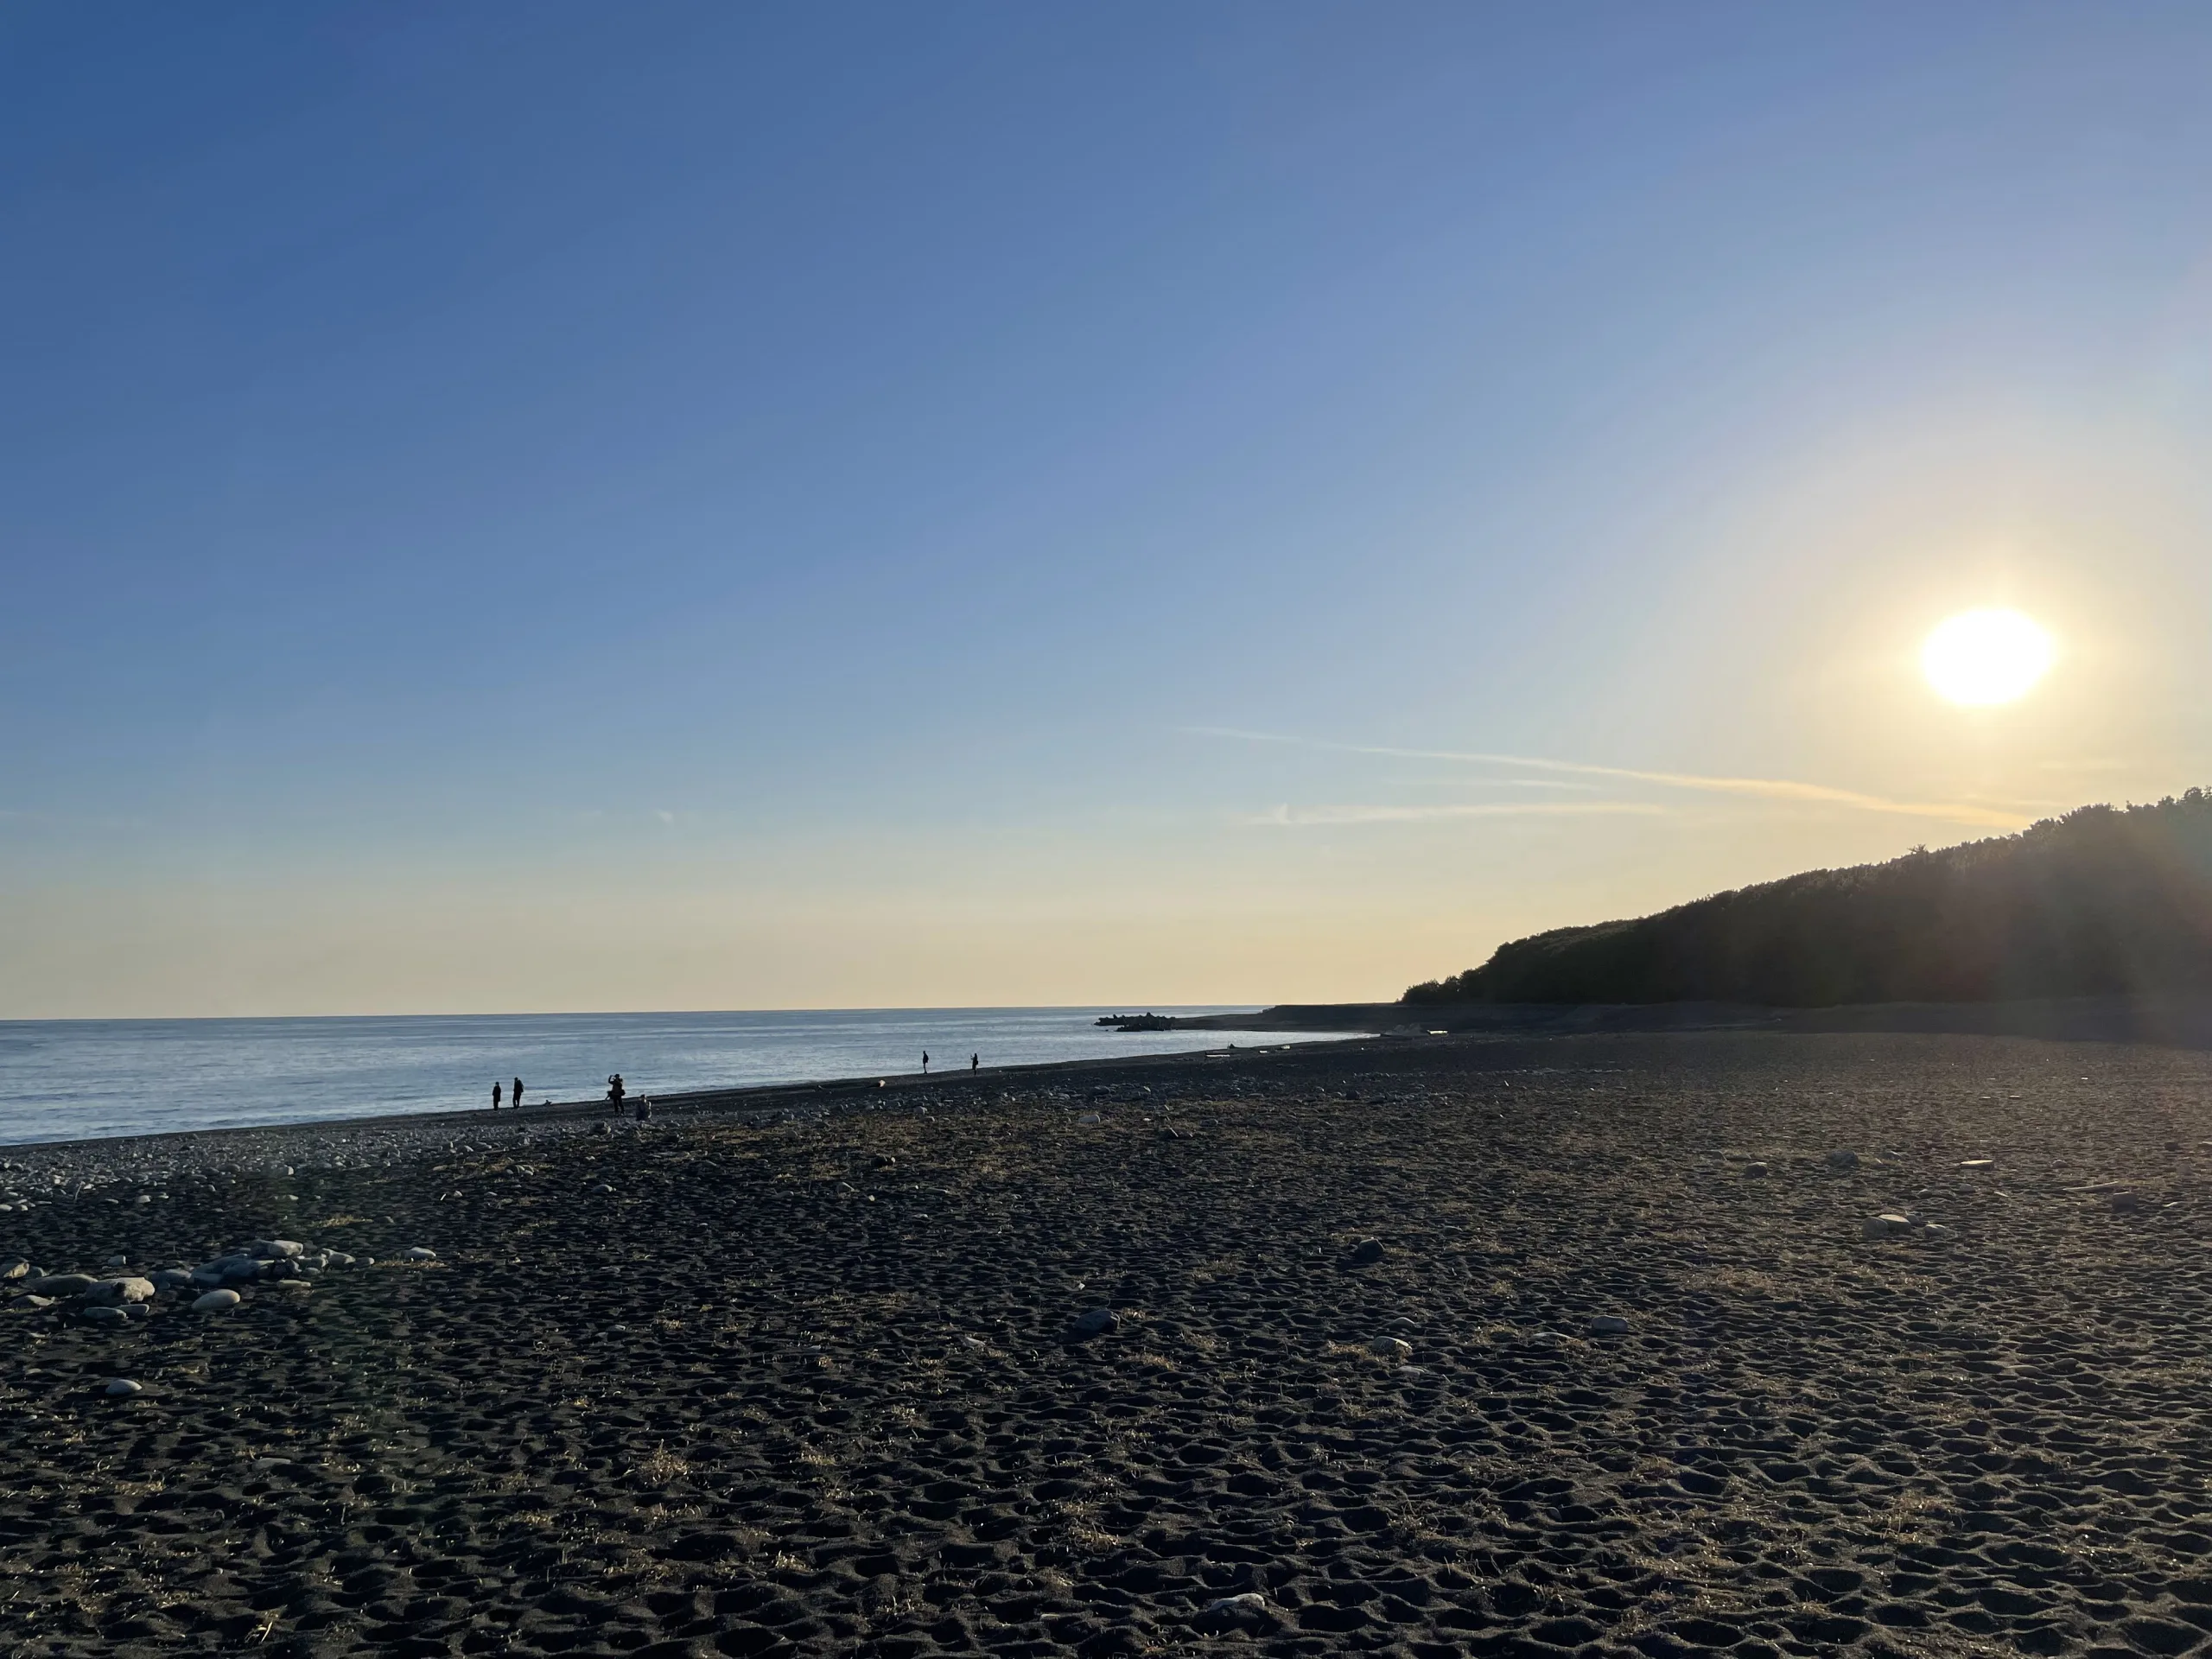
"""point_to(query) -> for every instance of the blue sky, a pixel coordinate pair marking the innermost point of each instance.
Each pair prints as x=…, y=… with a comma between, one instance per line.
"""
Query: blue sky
x=705, y=506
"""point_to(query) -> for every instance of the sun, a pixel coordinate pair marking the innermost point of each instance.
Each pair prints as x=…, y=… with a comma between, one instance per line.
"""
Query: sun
x=1982, y=657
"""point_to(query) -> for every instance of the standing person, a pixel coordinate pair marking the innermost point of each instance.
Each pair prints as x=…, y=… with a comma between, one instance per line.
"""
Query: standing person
x=516, y=1096
x=974, y=1061
x=614, y=1093
x=925, y=1062
x=495, y=1096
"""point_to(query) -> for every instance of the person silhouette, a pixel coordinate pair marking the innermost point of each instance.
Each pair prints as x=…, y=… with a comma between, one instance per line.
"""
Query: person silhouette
x=974, y=1062
x=516, y=1096
x=925, y=1062
x=495, y=1096
x=614, y=1093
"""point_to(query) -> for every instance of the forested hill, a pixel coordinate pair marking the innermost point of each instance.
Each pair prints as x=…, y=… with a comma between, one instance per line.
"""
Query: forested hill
x=2105, y=899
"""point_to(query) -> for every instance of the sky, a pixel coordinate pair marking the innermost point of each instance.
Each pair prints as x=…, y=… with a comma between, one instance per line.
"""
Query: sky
x=693, y=506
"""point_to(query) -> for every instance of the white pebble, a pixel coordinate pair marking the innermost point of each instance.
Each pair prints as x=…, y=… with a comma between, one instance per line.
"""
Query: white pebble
x=1247, y=1609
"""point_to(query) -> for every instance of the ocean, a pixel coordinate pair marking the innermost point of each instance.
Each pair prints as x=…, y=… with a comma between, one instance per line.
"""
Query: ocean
x=74, y=1079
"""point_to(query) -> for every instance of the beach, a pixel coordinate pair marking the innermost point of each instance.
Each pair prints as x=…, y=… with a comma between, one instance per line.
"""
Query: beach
x=1588, y=1345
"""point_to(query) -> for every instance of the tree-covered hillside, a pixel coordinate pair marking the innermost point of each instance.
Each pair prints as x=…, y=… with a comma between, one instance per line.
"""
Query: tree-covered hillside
x=2104, y=899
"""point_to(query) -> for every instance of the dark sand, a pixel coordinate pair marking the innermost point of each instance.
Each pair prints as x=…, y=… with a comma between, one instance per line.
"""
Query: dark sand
x=776, y=1392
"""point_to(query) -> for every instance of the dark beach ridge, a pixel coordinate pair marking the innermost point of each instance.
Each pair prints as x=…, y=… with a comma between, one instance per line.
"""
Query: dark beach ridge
x=1631, y=1341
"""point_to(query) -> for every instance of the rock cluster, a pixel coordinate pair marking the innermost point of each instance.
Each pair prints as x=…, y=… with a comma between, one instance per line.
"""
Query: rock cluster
x=211, y=1286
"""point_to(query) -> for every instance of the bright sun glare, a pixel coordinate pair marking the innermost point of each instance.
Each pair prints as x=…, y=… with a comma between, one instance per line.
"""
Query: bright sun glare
x=1981, y=658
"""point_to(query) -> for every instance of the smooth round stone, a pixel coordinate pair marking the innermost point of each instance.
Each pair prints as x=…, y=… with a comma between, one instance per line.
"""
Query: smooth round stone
x=1886, y=1224
x=1609, y=1325
x=1390, y=1348
x=105, y=1315
x=170, y=1278
x=65, y=1284
x=602, y=1189
x=1366, y=1253
x=1843, y=1160
x=123, y=1290
x=123, y=1388
x=115, y=1262
x=1755, y=1172
x=215, y=1301
x=28, y=1304
x=1234, y=1610
x=1095, y=1321
x=420, y=1253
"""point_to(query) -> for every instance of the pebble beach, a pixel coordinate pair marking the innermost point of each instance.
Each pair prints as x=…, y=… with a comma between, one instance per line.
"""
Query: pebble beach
x=1743, y=1342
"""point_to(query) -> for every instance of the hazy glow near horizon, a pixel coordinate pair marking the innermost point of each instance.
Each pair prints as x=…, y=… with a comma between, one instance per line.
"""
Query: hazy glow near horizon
x=1982, y=657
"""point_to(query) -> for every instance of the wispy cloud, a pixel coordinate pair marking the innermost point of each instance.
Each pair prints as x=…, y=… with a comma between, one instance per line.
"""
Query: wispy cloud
x=1463, y=782
x=1779, y=789
x=1294, y=816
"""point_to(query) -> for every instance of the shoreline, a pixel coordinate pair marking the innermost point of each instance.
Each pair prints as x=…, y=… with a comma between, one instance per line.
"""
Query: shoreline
x=821, y=1097
x=78, y=1090
x=2173, y=1020
x=2169, y=1021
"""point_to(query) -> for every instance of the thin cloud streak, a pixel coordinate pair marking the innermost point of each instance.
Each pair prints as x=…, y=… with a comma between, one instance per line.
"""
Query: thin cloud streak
x=1498, y=782
x=1779, y=789
x=1287, y=815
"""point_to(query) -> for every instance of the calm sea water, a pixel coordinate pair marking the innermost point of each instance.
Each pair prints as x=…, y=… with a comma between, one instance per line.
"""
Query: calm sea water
x=69, y=1080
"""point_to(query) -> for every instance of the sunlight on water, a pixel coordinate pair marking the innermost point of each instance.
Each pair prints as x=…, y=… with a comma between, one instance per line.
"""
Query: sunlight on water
x=68, y=1079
